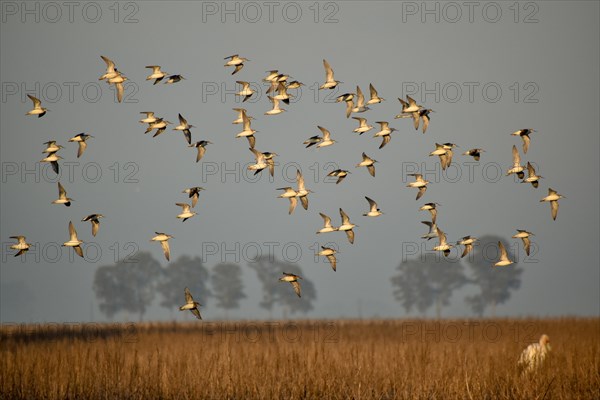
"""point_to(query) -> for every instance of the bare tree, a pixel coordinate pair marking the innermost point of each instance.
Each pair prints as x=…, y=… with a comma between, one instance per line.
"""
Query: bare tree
x=496, y=284
x=129, y=285
x=183, y=272
x=227, y=285
x=427, y=281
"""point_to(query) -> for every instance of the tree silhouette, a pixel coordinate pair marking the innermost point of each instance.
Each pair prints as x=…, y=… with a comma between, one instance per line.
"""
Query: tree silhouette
x=269, y=271
x=185, y=271
x=127, y=285
x=495, y=283
x=427, y=281
x=228, y=286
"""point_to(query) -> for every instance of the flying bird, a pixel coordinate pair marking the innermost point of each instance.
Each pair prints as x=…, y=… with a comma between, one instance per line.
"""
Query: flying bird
x=52, y=147
x=340, y=174
x=433, y=230
x=240, y=119
x=422, y=115
x=52, y=158
x=326, y=140
x=193, y=193
x=80, y=139
x=282, y=93
x=185, y=211
x=553, y=198
x=235, y=61
x=524, y=236
x=329, y=252
x=432, y=208
x=246, y=91
x=270, y=159
x=347, y=226
x=374, y=97
x=362, y=125
x=293, y=280
x=163, y=238
x=74, y=242
x=532, y=177
x=524, y=134
x=185, y=128
x=443, y=245
x=150, y=118
x=360, y=103
x=290, y=194
x=95, y=220
x=374, y=211
x=190, y=304
x=475, y=153
x=312, y=141
x=534, y=355
x=21, y=245
x=247, y=131
x=302, y=192
x=174, y=79
x=37, y=107
x=201, y=146
x=468, y=242
x=327, y=227
x=330, y=82
x=408, y=107
x=384, y=132
x=276, y=109
x=419, y=183
x=517, y=168
x=62, y=197
x=156, y=74
x=261, y=162
x=111, y=70
x=160, y=125
x=503, y=261
x=369, y=163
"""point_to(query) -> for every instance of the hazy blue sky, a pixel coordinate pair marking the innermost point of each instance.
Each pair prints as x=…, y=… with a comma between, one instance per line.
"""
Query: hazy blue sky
x=487, y=70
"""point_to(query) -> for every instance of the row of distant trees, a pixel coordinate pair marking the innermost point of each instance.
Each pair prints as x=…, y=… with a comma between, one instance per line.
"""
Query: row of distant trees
x=429, y=281
x=131, y=285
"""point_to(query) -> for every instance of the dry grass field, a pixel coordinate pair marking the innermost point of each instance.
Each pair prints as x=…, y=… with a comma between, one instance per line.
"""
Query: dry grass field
x=377, y=359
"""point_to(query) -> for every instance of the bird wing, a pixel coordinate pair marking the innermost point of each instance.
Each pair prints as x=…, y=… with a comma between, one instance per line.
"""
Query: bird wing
x=95, y=227
x=371, y=169
x=345, y=218
x=516, y=156
x=503, y=254
x=36, y=102
x=328, y=71
x=251, y=140
x=326, y=133
x=237, y=68
x=372, y=204
x=386, y=140
x=441, y=237
x=332, y=260
x=361, y=98
x=165, y=247
x=110, y=65
x=297, y=288
x=526, y=244
x=120, y=91
x=421, y=192
x=554, y=208
x=467, y=250
x=82, y=147
x=260, y=157
x=61, y=191
x=188, y=296
x=293, y=202
x=300, y=180
x=326, y=220
x=411, y=101
x=350, y=235
x=78, y=250
x=72, y=232
x=195, y=311
x=425, y=123
x=526, y=142
x=372, y=91
x=182, y=120
x=304, y=201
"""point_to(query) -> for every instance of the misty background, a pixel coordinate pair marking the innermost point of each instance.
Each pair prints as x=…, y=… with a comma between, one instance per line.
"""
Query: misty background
x=531, y=66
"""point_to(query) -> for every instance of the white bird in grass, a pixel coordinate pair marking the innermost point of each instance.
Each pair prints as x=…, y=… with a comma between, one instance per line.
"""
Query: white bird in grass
x=330, y=82
x=553, y=198
x=524, y=236
x=246, y=91
x=74, y=242
x=369, y=163
x=81, y=140
x=190, y=304
x=362, y=125
x=503, y=261
x=293, y=280
x=163, y=238
x=95, y=220
x=347, y=226
x=384, y=132
x=21, y=245
x=186, y=212
x=37, y=107
x=201, y=146
x=374, y=97
x=193, y=193
x=340, y=174
x=419, y=183
x=374, y=211
x=329, y=252
x=327, y=227
x=62, y=196
x=443, y=245
x=156, y=74
x=524, y=134
x=534, y=355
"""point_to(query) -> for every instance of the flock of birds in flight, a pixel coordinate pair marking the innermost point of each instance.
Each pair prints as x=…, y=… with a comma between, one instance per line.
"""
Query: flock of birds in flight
x=278, y=92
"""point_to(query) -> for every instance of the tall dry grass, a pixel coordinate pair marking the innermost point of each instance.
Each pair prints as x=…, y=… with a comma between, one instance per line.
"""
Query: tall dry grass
x=379, y=359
